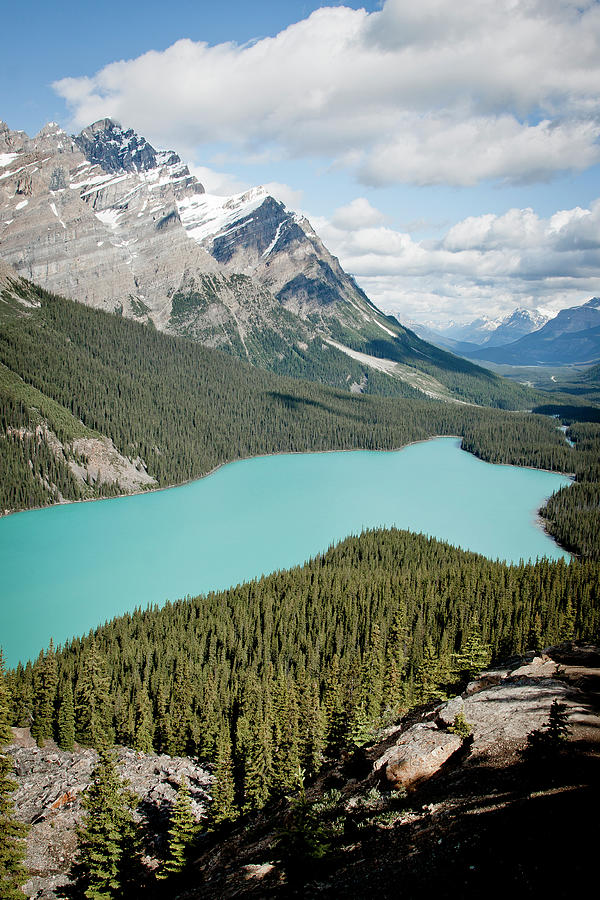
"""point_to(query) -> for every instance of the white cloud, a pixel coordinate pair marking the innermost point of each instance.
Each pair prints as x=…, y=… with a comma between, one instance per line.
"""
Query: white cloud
x=427, y=93
x=221, y=183
x=357, y=214
x=484, y=264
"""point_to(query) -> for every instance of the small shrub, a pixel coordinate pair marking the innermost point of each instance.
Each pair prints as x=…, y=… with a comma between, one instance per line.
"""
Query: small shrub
x=460, y=726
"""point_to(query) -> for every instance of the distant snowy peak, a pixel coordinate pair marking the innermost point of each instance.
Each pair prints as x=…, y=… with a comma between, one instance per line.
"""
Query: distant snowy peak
x=502, y=330
x=516, y=325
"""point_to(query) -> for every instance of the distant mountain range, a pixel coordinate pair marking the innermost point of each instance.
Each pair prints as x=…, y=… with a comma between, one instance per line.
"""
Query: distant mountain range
x=526, y=337
x=106, y=219
x=484, y=332
x=572, y=336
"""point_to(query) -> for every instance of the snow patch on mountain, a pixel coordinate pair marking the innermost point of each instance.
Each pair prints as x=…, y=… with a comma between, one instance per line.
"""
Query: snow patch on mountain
x=206, y=215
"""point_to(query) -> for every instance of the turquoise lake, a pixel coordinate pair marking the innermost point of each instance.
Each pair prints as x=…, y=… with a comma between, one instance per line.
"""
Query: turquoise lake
x=69, y=568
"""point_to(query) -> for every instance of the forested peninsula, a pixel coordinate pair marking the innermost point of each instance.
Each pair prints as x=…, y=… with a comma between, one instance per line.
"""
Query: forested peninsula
x=288, y=670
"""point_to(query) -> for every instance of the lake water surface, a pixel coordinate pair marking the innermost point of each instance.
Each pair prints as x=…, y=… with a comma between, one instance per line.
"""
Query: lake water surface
x=66, y=569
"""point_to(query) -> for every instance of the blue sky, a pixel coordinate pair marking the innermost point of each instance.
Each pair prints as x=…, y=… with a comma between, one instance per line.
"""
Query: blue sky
x=448, y=154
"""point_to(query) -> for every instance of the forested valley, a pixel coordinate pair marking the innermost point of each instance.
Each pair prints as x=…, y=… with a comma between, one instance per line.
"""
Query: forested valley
x=288, y=672
x=184, y=409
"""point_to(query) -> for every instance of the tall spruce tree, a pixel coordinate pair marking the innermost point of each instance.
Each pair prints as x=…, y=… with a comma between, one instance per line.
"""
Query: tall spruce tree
x=475, y=654
x=182, y=833
x=107, y=863
x=223, y=808
x=45, y=682
x=92, y=710
x=12, y=846
x=66, y=718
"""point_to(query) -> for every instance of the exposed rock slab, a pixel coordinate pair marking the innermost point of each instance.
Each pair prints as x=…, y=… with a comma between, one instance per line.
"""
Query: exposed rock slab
x=419, y=753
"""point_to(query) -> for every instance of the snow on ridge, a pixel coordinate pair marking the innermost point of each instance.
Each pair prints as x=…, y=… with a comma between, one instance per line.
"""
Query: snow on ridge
x=206, y=215
x=7, y=158
x=274, y=241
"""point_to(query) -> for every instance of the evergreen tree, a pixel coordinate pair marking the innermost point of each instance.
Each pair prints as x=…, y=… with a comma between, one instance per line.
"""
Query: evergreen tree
x=45, y=681
x=93, y=711
x=305, y=839
x=534, y=638
x=66, y=718
x=475, y=654
x=223, y=808
x=143, y=723
x=180, y=710
x=432, y=674
x=545, y=744
x=182, y=833
x=107, y=861
x=12, y=833
x=567, y=627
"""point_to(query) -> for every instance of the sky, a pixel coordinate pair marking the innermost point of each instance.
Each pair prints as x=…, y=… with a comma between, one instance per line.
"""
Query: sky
x=448, y=153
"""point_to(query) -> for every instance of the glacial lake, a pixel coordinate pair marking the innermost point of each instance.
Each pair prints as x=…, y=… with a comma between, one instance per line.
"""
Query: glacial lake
x=68, y=568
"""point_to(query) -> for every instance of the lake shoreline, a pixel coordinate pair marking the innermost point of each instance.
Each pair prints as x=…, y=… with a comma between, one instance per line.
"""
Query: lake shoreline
x=4, y=514
x=539, y=520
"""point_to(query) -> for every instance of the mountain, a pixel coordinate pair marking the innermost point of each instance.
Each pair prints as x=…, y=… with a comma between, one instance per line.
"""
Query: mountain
x=514, y=326
x=484, y=331
x=572, y=336
x=106, y=219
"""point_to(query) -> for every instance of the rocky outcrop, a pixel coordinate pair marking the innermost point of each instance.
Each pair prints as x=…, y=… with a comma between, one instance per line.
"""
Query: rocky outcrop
x=97, y=461
x=501, y=706
x=51, y=782
x=418, y=754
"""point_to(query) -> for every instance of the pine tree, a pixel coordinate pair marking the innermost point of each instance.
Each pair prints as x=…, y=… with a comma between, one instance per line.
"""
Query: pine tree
x=567, y=627
x=474, y=653
x=431, y=676
x=180, y=710
x=45, y=681
x=92, y=711
x=223, y=808
x=143, y=730
x=66, y=718
x=12, y=845
x=182, y=833
x=107, y=858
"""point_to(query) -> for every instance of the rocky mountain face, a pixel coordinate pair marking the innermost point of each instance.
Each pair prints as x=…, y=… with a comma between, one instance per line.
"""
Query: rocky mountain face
x=106, y=219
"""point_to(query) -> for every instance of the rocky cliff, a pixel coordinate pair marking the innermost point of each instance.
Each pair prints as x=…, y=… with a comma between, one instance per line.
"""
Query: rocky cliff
x=51, y=783
x=106, y=219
